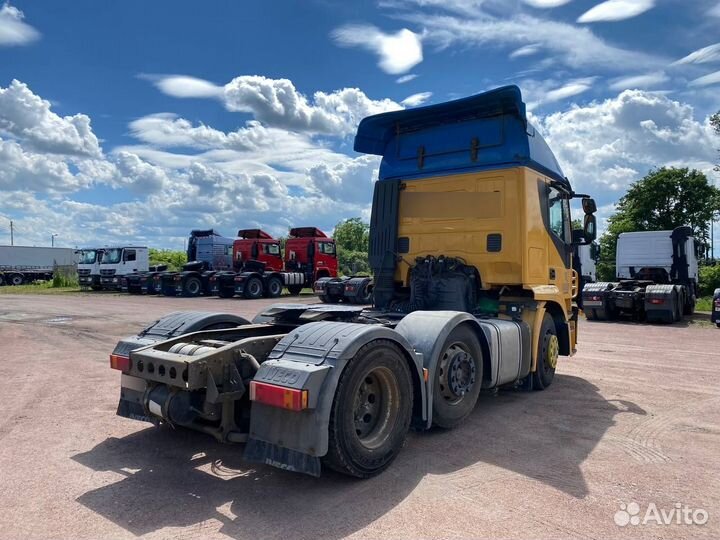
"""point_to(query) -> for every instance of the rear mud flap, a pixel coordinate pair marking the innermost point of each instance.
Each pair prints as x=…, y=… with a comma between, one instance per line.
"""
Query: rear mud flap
x=134, y=411
x=258, y=451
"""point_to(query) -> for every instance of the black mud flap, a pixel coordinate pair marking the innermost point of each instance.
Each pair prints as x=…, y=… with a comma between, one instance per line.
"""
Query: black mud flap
x=283, y=458
x=134, y=411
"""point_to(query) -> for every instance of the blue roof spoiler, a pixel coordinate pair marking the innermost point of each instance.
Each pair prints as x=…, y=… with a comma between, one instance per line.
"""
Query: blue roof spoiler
x=374, y=132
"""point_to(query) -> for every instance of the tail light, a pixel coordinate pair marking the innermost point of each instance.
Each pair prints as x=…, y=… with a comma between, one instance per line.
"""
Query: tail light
x=596, y=298
x=278, y=396
x=118, y=361
x=657, y=301
x=717, y=303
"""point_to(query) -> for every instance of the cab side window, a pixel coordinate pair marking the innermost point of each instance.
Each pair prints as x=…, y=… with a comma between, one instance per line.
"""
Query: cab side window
x=271, y=249
x=559, y=215
x=328, y=248
x=129, y=255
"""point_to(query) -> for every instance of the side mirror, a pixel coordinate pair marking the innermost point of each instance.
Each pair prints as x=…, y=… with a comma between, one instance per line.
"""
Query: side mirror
x=589, y=206
x=590, y=227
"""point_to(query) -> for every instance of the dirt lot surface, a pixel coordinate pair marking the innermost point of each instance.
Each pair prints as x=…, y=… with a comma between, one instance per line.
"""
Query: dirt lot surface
x=634, y=417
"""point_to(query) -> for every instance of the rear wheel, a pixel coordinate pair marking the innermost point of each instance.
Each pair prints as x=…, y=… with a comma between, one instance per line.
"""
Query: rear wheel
x=364, y=295
x=253, y=288
x=193, y=286
x=548, y=352
x=371, y=412
x=690, y=306
x=274, y=287
x=295, y=289
x=16, y=279
x=458, y=378
x=2, y=280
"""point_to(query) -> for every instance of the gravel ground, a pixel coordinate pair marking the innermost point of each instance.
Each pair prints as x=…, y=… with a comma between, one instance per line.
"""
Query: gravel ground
x=634, y=417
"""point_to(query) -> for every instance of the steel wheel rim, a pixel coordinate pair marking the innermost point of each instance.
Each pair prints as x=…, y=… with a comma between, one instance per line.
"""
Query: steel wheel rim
x=457, y=373
x=254, y=288
x=193, y=287
x=275, y=287
x=376, y=407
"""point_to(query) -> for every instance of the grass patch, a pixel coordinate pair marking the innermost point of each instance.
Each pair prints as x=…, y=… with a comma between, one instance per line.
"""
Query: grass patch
x=45, y=287
x=704, y=303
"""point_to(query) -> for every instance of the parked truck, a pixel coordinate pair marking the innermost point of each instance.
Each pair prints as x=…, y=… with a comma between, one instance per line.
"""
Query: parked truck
x=208, y=252
x=89, y=268
x=253, y=250
x=25, y=264
x=120, y=261
x=309, y=256
x=471, y=248
x=657, y=278
x=143, y=282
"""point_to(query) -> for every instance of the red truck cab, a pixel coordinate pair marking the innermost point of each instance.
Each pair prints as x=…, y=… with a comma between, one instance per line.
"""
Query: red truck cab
x=257, y=245
x=308, y=249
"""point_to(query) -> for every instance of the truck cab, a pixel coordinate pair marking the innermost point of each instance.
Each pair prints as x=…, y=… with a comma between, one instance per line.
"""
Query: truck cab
x=119, y=261
x=89, y=268
x=309, y=250
x=257, y=245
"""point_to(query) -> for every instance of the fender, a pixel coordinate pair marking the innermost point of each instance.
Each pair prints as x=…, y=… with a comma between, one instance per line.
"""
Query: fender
x=315, y=355
x=176, y=324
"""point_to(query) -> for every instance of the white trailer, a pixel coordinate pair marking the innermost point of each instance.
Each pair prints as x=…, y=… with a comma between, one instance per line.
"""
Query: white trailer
x=24, y=264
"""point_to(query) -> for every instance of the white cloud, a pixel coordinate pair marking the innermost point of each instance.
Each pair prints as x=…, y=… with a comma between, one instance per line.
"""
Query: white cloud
x=27, y=117
x=351, y=181
x=539, y=93
x=707, y=80
x=646, y=80
x=416, y=99
x=567, y=44
x=715, y=11
x=406, y=78
x=182, y=86
x=546, y=3
x=711, y=53
x=13, y=31
x=606, y=145
x=277, y=103
x=398, y=52
x=527, y=50
x=616, y=10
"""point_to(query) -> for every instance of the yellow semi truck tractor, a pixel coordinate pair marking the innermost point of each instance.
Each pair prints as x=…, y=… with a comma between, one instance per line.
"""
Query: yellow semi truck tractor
x=470, y=247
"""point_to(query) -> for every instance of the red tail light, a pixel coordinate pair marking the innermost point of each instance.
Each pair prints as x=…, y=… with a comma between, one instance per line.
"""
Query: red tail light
x=278, y=396
x=118, y=361
x=657, y=301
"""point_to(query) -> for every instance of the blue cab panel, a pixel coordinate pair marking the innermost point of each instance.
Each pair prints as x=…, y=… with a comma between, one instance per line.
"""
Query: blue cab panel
x=481, y=132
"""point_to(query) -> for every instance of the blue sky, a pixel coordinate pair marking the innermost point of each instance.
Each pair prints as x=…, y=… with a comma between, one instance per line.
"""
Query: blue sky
x=137, y=121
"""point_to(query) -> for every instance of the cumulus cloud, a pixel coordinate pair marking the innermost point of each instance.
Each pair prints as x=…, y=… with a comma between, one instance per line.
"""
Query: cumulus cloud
x=608, y=144
x=707, y=80
x=277, y=103
x=350, y=181
x=616, y=10
x=711, y=53
x=13, y=31
x=646, y=80
x=416, y=99
x=398, y=52
x=29, y=118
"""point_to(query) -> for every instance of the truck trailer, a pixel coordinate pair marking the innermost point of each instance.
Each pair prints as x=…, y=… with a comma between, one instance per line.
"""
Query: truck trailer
x=471, y=248
x=25, y=264
x=657, y=279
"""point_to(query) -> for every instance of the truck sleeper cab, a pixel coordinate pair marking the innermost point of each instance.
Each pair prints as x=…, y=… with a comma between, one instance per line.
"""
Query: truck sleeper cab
x=470, y=246
x=309, y=255
x=254, y=248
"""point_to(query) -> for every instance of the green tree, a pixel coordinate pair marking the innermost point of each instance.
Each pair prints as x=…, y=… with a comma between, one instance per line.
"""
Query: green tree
x=664, y=199
x=174, y=259
x=351, y=239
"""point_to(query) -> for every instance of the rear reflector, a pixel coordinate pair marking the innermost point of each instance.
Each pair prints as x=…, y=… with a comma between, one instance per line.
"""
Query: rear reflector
x=657, y=301
x=279, y=396
x=120, y=362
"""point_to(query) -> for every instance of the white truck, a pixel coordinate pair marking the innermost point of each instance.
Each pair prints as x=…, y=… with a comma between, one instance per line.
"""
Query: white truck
x=119, y=261
x=25, y=264
x=89, y=268
x=588, y=257
x=657, y=278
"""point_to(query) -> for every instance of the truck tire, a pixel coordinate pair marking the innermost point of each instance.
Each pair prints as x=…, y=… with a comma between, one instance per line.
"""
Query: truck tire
x=689, y=308
x=96, y=287
x=679, y=302
x=371, y=412
x=548, y=350
x=253, y=288
x=2, y=280
x=294, y=289
x=16, y=279
x=192, y=286
x=458, y=378
x=273, y=287
x=364, y=295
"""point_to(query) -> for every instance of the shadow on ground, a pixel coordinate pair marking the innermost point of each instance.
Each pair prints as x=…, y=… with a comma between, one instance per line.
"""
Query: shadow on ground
x=541, y=435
